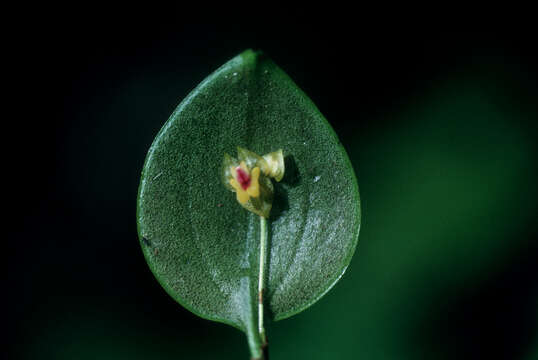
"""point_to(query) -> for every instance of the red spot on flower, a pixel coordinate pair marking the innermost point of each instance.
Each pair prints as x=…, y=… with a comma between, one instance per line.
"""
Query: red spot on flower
x=242, y=178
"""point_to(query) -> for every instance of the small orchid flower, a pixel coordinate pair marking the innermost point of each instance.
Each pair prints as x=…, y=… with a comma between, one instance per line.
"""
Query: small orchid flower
x=249, y=177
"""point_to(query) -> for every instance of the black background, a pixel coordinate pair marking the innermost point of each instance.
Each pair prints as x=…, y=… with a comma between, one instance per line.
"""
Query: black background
x=83, y=128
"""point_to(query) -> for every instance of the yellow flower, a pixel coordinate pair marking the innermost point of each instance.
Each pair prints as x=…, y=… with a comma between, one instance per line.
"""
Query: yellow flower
x=245, y=183
x=249, y=177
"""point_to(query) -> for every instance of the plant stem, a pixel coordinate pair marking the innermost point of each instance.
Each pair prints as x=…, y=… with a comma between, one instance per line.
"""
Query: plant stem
x=261, y=278
x=257, y=338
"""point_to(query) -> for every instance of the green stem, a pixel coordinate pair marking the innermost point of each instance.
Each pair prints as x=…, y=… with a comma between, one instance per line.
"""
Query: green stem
x=261, y=278
x=258, y=343
x=256, y=337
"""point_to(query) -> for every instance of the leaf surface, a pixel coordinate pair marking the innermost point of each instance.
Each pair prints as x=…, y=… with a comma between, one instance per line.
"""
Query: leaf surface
x=201, y=244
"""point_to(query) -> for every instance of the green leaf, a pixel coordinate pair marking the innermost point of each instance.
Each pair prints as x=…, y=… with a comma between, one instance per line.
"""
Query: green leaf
x=201, y=244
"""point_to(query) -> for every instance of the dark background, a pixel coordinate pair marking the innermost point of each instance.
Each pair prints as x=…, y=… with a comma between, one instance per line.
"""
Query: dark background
x=440, y=128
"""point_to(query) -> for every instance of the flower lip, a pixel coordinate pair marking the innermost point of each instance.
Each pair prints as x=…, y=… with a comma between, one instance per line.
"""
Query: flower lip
x=243, y=177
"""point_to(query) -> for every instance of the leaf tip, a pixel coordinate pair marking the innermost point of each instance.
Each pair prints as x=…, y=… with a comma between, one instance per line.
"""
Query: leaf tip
x=251, y=55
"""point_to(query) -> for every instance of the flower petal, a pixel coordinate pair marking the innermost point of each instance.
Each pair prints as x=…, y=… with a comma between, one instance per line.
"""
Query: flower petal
x=227, y=170
x=275, y=165
x=241, y=194
x=254, y=188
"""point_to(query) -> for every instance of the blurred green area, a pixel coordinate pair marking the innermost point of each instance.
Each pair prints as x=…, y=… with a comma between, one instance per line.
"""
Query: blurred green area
x=442, y=269
x=448, y=194
x=447, y=258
